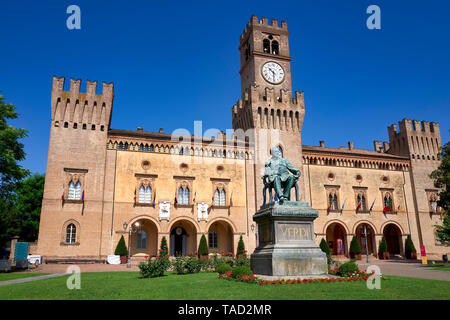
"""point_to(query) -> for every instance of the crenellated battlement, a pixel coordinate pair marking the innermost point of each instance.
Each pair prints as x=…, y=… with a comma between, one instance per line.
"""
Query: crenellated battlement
x=73, y=106
x=418, y=139
x=264, y=24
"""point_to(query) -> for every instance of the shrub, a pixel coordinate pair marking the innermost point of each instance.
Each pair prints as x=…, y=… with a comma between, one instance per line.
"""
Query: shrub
x=354, y=246
x=238, y=272
x=241, y=247
x=204, y=265
x=192, y=264
x=121, y=249
x=178, y=264
x=409, y=247
x=224, y=268
x=347, y=267
x=154, y=268
x=325, y=248
x=203, y=246
x=163, y=251
x=242, y=261
x=383, y=246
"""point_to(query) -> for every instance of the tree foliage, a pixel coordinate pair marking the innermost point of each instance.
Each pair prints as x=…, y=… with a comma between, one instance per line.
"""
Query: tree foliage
x=11, y=150
x=354, y=246
x=441, y=177
x=325, y=248
x=163, y=250
x=409, y=247
x=29, y=193
x=383, y=245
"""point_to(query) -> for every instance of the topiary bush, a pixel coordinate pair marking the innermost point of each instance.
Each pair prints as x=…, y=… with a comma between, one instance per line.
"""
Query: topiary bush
x=224, y=268
x=383, y=246
x=325, y=248
x=121, y=249
x=409, y=247
x=203, y=246
x=238, y=272
x=355, y=248
x=347, y=267
x=163, y=251
x=241, y=247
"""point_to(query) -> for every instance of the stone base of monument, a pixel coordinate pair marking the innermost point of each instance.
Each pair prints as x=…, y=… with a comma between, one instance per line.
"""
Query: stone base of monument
x=286, y=242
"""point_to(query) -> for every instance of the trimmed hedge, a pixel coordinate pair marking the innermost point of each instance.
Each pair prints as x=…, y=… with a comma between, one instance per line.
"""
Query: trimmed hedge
x=409, y=247
x=347, y=267
x=121, y=249
x=383, y=246
x=203, y=246
x=241, y=247
x=354, y=246
x=325, y=248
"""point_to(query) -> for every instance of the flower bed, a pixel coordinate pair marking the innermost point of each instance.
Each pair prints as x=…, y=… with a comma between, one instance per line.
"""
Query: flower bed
x=317, y=280
x=250, y=278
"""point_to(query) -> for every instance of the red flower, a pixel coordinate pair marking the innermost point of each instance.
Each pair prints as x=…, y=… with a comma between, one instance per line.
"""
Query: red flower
x=245, y=251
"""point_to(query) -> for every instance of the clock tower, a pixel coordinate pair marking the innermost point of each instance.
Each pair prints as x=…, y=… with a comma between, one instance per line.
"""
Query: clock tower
x=269, y=114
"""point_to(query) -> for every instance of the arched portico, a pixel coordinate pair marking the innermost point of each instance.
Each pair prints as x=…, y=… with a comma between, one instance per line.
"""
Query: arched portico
x=365, y=233
x=144, y=238
x=220, y=236
x=336, y=236
x=393, y=235
x=183, y=237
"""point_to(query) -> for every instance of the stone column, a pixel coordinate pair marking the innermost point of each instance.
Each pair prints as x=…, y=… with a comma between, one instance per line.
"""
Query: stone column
x=378, y=238
x=402, y=244
x=14, y=240
x=347, y=245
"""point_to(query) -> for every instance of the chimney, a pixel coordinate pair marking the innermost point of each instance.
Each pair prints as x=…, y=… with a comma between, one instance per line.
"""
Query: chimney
x=160, y=130
x=322, y=143
x=385, y=146
x=139, y=129
x=350, y=145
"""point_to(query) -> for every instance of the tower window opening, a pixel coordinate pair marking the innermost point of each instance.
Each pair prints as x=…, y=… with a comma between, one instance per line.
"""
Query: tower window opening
x=75, y=125
x=266, y=46
x=66, y=124
x=84, y=126
x=275, y=47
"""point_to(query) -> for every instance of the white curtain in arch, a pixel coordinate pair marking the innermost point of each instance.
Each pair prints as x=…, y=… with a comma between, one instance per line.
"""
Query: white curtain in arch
x=145, y=194
x=183, y=196
x=219, y=197
x=74, y=191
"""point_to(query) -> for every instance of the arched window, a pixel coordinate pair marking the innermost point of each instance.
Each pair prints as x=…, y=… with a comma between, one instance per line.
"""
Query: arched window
x=141, y=147
x=141, y=239
x=126, y=146
x=121, y=146
x=152, y=148
x=281, y=151
x=219, y=197
x=212, y=240
x=183, y=195
x=266, y=46
x=74, y=191
x=145, y=194
x=388, y=201
x=71, y=232
x=275, y=48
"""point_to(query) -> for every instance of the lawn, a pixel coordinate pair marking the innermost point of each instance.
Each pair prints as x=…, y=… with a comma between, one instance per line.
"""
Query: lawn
x=206, y=285
x=18, y=275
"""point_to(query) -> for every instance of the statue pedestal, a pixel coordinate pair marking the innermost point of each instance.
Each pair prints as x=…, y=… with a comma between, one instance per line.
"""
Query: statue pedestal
x=286, y=241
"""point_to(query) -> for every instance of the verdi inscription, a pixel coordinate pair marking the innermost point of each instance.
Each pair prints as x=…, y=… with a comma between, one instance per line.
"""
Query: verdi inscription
x=293, y=231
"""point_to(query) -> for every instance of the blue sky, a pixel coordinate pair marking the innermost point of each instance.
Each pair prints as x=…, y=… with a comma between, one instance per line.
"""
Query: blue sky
x=173, y=63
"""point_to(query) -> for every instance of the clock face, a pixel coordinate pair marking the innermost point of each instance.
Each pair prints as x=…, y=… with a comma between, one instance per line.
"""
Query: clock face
x=273, y=72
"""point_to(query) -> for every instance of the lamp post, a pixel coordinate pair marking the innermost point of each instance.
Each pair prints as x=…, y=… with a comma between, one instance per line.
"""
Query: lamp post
x=367, y=244
x=130, y=231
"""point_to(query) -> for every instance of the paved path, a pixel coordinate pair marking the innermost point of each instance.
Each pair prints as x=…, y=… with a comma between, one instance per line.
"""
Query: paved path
x=407, y=269
x=48, y=276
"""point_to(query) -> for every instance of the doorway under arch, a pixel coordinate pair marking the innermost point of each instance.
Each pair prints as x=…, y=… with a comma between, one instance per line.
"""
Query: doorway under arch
x=145, y=240
x=220, y=237
x=337, y=239
x=363, y=241
x=393, y=237
x=183, y=240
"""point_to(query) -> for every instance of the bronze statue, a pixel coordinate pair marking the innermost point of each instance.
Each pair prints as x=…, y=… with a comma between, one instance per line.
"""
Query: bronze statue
x=277, y=175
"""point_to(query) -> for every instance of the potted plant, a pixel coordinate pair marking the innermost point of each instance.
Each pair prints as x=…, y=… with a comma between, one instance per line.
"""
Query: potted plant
x=382, y=250
x=410, y=250
x=203, y=251
x=355, y=249
x=163, y=250
x=122, y=251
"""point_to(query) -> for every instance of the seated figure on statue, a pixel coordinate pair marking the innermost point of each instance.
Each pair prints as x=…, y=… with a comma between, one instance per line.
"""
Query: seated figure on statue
x=280, y=175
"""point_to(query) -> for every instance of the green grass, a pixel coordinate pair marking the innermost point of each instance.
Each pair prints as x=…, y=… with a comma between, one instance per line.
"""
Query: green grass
x=442, y=268
x=18, y=275
x=206, y=285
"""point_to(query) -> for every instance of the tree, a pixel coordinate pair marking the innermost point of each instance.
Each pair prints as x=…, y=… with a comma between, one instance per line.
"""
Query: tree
x=11, y=150
x=203, y=246
x=354, y=246
x=163, y=251
x=325, y=248
x=241, y=247
x=121, y=249
x=441, y=177
x=29, y=193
